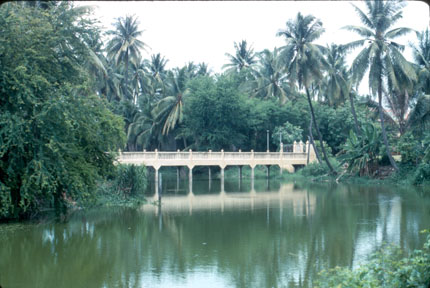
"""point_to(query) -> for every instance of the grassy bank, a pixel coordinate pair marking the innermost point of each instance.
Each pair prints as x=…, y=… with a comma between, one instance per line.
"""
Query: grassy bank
x=408, y=175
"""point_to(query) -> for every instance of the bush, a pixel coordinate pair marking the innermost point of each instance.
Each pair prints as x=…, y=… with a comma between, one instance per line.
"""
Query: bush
x=410, y=148
x=130, y=180
x=422, y=174
x=126, y=181
x=386, y=269
x=315, y=169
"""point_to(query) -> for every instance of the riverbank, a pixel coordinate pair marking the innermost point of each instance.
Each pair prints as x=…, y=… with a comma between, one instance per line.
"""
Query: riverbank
x=406, y=176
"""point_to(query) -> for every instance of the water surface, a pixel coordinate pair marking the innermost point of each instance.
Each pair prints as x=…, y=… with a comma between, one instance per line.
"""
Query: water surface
x=276, y=236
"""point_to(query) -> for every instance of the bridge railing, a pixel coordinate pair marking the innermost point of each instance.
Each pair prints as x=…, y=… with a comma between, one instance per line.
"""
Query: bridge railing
x=293, y=151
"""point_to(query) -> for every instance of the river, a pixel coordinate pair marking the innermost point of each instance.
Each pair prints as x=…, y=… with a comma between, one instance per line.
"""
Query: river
x=279, y=234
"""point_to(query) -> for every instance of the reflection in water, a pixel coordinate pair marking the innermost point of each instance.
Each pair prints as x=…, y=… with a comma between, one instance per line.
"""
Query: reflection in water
x=218, y=238
x=299, y=201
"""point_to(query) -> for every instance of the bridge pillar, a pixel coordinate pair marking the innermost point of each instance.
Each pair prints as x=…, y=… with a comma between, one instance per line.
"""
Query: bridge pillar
x=240, y=176
x=177, y=178
x=222, y=178
x=156, y=181
x=190, y=178
x=268, y=171
x=252, y=175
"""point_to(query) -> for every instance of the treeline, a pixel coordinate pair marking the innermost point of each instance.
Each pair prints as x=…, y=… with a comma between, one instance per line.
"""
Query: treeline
x=67, y=97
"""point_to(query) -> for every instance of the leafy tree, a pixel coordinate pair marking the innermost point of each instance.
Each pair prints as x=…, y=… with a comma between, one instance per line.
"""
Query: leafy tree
x=214, y=114
x=54, y=131
x=303, y=59
x=288, y=133
x=381, y=56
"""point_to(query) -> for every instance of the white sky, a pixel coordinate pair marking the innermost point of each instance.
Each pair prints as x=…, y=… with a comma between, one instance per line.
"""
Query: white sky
x=203, y=31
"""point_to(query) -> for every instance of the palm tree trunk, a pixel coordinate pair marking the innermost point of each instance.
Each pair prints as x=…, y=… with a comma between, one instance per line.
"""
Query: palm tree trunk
x=311, y=137
x=356, y=126
x=384, y=133
x=126, y=75
x=318, y=132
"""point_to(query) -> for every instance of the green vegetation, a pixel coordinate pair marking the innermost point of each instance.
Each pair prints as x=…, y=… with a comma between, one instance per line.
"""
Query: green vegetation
x=386, y=268
x=125, y=187
x=55, y=131
x=70, y=100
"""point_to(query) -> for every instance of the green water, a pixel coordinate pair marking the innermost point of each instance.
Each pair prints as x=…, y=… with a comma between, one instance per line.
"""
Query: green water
x=279, y=236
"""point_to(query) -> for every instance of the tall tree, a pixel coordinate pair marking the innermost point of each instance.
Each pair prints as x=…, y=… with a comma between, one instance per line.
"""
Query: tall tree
x=270, y=78
x=339, y=84
x=125, y=45
x=243, y=58
x=303, y=60
x=54, y=130
x=421, y=53
x=169, y=109
x=381, y=55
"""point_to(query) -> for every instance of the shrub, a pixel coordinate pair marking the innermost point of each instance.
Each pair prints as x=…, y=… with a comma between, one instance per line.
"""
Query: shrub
x=130, y=180
x=410, y=148
x=422, y=174
x=386, y=269
x=314, y=169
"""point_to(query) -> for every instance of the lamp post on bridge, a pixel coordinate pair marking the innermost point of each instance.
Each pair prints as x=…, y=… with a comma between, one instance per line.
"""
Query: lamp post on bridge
x=267, y=140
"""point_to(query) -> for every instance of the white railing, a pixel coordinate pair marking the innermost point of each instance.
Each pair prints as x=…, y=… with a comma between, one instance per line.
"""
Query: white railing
x=190, y=158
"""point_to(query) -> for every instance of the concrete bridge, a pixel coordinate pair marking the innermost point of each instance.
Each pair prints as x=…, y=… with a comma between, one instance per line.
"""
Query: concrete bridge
x=301, y=155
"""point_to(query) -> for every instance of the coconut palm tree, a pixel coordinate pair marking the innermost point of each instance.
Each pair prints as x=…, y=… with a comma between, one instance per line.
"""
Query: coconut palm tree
x=270, y=78
x=169, y=110
x=125, y=45
x=421, y=54
x=304, y=60
x=339, y=84
x=157, y=67
x=203, y=69
x=381, y=55
x=243, y=58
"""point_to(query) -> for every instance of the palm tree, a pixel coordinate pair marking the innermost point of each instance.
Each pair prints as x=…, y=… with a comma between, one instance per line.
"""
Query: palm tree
x=304, y=60
x=421, y=54
x=339, y=86
x=125, y=45
x=157, y=67
x=270, y=77
x=169, y=110
x=243, y=58
x=381, y=54
x=203, y=69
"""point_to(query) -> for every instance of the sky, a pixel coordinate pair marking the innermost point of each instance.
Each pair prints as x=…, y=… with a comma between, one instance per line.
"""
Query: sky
x=203, y=31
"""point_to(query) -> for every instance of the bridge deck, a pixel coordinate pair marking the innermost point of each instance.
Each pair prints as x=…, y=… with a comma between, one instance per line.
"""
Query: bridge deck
x=222, y=159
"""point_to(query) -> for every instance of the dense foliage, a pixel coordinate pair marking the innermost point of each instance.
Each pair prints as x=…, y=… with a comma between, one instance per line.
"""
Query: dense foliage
x=54, y=130
x=386, y=268
x=60, y=84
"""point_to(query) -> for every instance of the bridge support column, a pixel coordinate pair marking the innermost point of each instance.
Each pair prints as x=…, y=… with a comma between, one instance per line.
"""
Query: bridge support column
x=190, y=179
x=252, y=177
x=156, y=181
x=240, y=176
x=222, y=179
x=268, y=171
x=177, y=178
x=210, y=178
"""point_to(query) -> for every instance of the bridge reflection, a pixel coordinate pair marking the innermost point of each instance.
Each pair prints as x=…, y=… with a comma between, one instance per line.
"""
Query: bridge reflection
x=300, y=201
